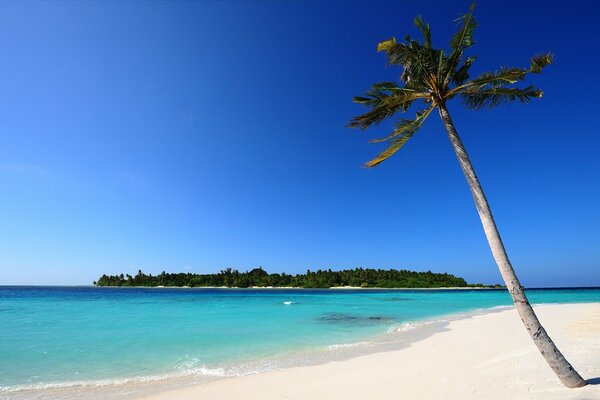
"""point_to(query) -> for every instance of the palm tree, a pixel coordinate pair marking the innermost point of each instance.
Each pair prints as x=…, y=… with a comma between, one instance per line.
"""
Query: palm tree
x=433, y=77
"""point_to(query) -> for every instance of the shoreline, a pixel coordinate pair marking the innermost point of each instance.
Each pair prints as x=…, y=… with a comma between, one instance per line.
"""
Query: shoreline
x=482, y=355
x=408, y=332
x=406, y=336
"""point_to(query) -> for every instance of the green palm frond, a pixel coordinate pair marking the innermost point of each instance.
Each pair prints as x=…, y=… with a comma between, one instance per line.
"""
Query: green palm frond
x=435, y=57
x=386, y=86
x=417, y=61
x=397, y=53
x=492, y=97
x=387, y=153
x=462, y=73
x=424, y=30
x=502, y=77
x=378, y=93
x=462, y=40
x=539, y=61
x=404, y=125
x=404, y=130
x=384, y=100
x=442, y=65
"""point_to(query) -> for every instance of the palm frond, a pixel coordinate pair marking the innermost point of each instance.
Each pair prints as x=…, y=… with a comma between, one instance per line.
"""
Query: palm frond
x=462, y=40
x=539, y=61
x=387, y=153
x=377, y=93
x=418, y=61
x=386, y=45
x=504, y=76
x=424, y=30
x=404, y=125
x=397, y=53
x=477, y=99
x=462, y=73
x=384, y=100
x=389, y=86
x=404, y=130
x=442, y=63
x=500, y=78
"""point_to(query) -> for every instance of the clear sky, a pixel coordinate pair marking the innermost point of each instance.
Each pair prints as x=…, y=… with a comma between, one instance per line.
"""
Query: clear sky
x=195, y=136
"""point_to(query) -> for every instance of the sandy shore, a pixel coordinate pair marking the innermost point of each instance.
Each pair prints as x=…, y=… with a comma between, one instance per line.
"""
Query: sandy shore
x=487, y=356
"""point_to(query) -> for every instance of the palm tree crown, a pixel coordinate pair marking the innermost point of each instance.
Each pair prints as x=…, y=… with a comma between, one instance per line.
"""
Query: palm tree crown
x=434, y=77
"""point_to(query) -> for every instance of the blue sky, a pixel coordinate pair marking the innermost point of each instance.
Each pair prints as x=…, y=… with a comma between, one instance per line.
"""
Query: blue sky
x=195, y=136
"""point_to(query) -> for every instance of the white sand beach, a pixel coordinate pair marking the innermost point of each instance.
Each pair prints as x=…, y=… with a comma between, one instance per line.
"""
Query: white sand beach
x=487, y=356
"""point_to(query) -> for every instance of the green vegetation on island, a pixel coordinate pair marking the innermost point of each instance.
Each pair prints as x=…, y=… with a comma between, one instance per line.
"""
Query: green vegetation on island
x=258, y=277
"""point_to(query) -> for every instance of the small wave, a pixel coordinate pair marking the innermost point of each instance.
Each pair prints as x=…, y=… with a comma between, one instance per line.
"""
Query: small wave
x=405, y=327
x=408, y=326
x=500, y=307
x=287, y=303
x=347, y=345
x=200, y=371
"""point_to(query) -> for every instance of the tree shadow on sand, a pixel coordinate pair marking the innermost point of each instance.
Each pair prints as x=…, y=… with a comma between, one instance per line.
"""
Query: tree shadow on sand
x=594, y=381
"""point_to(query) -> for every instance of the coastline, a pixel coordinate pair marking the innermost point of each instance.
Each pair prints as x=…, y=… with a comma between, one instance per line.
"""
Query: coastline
x=487, y=355
x=140, y=386
x=439, y=353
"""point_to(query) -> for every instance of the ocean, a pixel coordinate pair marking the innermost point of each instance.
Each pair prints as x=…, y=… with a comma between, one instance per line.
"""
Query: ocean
x=61, y=341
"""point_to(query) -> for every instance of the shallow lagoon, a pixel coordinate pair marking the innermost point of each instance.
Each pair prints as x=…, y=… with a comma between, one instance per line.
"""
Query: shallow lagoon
x=66, y=336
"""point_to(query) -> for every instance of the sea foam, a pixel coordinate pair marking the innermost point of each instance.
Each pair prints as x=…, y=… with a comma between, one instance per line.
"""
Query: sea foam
x=200, y=371
x=347, y=345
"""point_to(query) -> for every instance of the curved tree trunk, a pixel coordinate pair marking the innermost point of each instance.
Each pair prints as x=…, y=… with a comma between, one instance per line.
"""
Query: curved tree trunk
x=565, y=372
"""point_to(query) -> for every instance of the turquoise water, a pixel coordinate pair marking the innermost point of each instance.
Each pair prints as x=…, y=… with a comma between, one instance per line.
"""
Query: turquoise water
x=53, y=336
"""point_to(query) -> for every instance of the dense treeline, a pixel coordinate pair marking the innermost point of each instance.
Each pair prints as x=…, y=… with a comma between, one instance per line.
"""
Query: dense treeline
x=362, y=277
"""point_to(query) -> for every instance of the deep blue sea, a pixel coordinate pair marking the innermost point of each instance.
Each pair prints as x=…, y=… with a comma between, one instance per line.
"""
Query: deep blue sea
x=52, y=337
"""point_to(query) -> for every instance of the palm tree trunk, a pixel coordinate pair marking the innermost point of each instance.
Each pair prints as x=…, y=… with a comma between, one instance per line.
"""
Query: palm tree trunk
x=565, y=372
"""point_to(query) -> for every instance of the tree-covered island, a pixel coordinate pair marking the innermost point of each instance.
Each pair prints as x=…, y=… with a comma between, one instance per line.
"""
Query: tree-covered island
x=258, y=277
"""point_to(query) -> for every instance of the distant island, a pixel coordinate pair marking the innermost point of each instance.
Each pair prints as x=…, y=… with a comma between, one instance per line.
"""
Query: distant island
x=258, y=277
